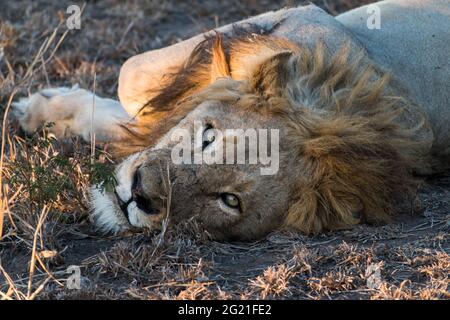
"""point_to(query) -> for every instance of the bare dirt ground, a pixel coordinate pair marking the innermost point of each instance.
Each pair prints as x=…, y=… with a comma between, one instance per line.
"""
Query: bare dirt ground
x=43, y=185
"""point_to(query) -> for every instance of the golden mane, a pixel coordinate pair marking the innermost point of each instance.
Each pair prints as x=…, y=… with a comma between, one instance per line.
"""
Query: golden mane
x=353, y=144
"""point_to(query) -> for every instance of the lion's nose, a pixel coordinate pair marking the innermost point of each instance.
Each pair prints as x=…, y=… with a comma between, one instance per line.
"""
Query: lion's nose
x=142, y=201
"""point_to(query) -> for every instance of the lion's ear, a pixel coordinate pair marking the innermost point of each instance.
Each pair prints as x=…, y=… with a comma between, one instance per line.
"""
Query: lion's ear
x=220, y=67
x=270, y=77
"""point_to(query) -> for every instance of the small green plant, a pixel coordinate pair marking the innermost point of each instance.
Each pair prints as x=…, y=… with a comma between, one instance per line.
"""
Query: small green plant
x=45, y=173
x=41, y=170
x=102, y=176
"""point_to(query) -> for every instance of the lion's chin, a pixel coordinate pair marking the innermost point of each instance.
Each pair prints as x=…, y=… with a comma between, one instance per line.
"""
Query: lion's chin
x=106, y=214
x=109, y=217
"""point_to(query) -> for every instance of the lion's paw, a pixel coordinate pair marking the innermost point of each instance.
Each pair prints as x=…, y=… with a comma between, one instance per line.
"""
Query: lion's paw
x=34, y=111
x=51, y=92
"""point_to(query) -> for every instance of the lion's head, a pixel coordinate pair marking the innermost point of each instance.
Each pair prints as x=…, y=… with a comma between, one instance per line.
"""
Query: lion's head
x=346, y=151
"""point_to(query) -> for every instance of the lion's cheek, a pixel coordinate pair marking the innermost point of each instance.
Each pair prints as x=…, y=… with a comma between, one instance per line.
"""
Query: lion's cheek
x=105, y=213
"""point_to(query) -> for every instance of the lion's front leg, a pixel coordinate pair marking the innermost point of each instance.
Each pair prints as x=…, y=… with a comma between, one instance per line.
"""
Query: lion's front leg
x=73, y=111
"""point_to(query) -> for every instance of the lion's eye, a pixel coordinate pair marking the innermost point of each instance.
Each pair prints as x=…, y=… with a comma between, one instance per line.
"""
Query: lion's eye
x=230, y=200
x=208, y=136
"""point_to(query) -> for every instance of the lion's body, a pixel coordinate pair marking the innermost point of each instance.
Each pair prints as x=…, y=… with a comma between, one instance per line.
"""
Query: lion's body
x=351, y=137
x=413, y=45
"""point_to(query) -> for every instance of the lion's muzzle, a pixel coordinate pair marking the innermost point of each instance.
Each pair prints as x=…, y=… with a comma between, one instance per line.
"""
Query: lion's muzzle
x=138, y=195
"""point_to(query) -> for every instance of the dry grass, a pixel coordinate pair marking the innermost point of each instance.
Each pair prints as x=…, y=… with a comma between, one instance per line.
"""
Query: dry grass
x=44, y=221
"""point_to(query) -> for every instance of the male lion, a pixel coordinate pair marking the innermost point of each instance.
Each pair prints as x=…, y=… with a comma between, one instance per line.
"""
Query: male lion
x=359, y=110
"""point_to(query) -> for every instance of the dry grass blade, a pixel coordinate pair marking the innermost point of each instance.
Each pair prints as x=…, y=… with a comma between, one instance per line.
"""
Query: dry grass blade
x=12, y=287
x=3, y=200
x=41, y=220
x=39, y=57
x=92, y=121
x=165, y=223
x=39, y=289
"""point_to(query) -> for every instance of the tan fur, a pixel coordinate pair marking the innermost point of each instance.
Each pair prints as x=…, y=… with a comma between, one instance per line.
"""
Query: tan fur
x=353, y=143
